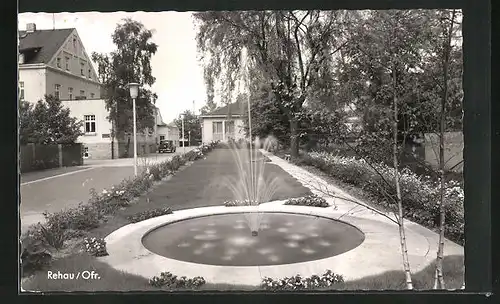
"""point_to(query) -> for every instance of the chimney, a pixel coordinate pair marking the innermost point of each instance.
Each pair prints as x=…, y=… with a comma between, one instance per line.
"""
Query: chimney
x=30, y=27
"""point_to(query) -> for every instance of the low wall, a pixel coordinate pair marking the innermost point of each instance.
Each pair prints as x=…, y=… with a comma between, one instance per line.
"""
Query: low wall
x=453, y=148
x=35, y=157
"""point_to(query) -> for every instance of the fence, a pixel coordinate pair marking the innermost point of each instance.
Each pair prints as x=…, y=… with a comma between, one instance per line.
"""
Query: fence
x=39, y=157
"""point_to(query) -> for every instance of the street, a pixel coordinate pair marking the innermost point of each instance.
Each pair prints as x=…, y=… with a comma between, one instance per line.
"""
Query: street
x=56, y=189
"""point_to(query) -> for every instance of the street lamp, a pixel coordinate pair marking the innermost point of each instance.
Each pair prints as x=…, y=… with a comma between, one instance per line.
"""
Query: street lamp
x=189, y=138
x=183, y=142
x=134, y=91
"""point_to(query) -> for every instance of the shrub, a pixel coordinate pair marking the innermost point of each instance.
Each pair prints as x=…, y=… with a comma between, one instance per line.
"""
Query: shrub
x=34, y=255
x=167, y=279
x=82, y=217
x=310, y=200
x=420, y=194
x=95, y=246
x=235, y=203
x=297, y=282
x=142, y=216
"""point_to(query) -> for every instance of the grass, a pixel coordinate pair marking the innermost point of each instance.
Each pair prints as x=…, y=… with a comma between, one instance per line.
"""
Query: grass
x=114, y=280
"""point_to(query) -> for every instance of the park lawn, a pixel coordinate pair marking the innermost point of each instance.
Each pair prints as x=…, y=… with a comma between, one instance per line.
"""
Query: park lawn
x=114, y=280
x=194, y=185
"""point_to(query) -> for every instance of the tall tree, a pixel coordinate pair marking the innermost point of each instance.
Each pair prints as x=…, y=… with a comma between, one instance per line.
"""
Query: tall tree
x=130, y=62
x=47, y=122
x=191, y=124
x=446, y=24
x=287, y=49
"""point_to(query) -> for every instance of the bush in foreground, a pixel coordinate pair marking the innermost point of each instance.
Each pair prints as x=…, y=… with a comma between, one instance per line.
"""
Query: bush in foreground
x=95, y=246
x=420, y=194
x=310, y=200
x=167, y=279
x=297, y=282
x=235, y=203
x=147, y=214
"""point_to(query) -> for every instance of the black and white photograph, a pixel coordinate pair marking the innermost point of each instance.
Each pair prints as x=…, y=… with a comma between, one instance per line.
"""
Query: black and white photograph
x=257, y=150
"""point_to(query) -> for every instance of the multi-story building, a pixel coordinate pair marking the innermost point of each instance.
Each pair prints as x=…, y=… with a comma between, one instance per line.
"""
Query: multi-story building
x=54, y=62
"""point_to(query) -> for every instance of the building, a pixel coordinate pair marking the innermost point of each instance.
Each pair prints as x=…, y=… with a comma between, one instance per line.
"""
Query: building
x=223, y=124
x=54, y=62
x=166, y=131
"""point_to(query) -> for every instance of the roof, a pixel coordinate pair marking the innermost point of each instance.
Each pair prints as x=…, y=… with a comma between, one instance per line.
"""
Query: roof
x=234, y=108
x=47, y=41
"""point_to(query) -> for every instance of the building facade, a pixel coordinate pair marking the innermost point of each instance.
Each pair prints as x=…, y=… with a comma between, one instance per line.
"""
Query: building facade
x=223, y=124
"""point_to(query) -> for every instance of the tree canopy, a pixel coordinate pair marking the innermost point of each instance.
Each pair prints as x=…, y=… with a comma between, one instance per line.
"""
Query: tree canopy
x=130, y=62
x=47, y=122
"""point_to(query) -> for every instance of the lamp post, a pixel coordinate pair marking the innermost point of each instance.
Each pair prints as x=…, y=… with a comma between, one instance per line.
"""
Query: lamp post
x=183, y=142
x=189, y=138
x=134, y=91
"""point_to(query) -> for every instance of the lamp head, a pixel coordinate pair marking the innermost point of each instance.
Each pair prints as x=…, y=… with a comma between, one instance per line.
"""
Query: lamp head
x=134, y=89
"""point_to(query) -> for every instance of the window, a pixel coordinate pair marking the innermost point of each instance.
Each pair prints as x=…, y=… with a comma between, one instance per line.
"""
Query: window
x=57, y=89
x=66, y=59
x=70, y=93
x=217, y=127
x=58, y=62
x=86, y=152
x=90, y=73
x=89, y=123
x=82, y=93
x=74, y=43
x=162, y=137
x=92, y=95
x=82, y=67
x=21, y=90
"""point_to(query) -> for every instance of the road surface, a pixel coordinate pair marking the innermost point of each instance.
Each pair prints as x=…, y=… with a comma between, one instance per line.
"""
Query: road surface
x=56, y=189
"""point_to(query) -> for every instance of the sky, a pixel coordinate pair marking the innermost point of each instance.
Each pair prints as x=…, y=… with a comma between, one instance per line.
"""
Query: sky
x=179, y=76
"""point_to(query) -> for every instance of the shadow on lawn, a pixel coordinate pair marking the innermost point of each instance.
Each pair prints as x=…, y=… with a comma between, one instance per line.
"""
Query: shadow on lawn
x=114, y=280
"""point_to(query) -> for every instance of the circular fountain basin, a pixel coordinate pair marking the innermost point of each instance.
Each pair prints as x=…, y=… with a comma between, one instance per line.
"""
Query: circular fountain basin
x=228, y=240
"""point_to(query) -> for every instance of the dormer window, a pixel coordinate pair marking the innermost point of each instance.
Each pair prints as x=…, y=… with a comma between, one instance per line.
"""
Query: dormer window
x=90, y=74
x=67, y=62
x=58, y=62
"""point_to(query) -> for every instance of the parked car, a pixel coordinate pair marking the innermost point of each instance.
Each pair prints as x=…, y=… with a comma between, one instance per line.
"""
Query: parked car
x=166, y=146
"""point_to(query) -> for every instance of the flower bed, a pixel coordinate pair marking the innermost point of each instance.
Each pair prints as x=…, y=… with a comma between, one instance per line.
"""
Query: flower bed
x=74, y=222
x=166, y=279
x=420, y=194
x=142, y=216
x=235, y=203
x=299, y=283
x=310, y=200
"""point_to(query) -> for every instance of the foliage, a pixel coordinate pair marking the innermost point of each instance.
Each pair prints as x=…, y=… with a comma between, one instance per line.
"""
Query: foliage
x=420, y=194
x=95, y=246
x=297, y=282
x=289, y=50
x=47, y=122
x=192, y=124
x=235, y=203
x=310, y=200
x=130, y=62
x=167, y=279
x=34, y=255
x=147, y=214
